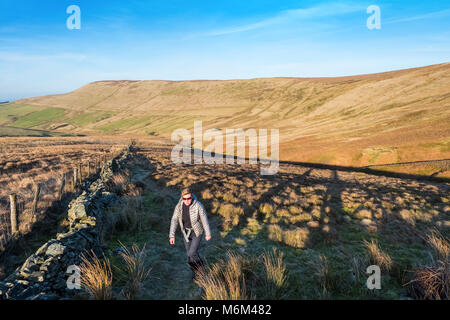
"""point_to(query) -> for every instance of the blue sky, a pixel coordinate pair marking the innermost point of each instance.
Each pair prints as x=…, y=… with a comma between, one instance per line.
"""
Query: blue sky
x=233, y=39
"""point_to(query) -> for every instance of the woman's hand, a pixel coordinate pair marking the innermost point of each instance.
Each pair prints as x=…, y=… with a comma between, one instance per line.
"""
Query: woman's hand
x=172, y=240
x=208, y=238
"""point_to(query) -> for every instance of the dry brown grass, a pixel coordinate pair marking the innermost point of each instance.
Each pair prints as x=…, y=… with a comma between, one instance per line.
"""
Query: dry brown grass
x=25, y=162
x=292, y=237
x=96, y=277
x=440, y=245
x=304, y=217
x=377, y=256
x=363, y=214
x=206, y=194
x=225, y=280
x=276, y=273
x=119, y=183
x=267, y=209
x=431, y=282
x=242, y=277
x=231, y=214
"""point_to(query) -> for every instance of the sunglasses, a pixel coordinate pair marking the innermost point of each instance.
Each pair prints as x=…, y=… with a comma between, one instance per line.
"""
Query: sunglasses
x=187, y=198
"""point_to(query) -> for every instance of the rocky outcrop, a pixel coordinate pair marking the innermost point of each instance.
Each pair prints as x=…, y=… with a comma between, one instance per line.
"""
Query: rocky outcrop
x=44, y=274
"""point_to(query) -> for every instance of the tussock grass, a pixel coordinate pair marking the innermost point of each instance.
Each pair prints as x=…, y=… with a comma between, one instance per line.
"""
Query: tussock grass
x=276, y=273
x=295, y=209
x=275, y=232
x=324, y=274
x=129, y=215
x=206, y=194
x=229, y=197
x=440, y=245
x=432, y=281
x=294, y=237
x=122, y=186
x=231, y=214
x=243, y=277
x=363, y=214
x=225, y=280
x=253, y=228
x=304, y=217
x=135, y=269
x=283, y=213
x=267, y=209
x=377, y=256
x=96, y=277
x=118, y=183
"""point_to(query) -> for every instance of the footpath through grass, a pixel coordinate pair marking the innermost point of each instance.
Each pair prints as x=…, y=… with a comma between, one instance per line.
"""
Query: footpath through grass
x=170, y=276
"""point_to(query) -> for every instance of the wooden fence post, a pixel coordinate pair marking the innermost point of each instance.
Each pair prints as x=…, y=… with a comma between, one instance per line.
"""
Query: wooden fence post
x=80, y=174
x=37, y=191
x=61, y=187
x=75, y=178
x=89, y=168
x=13, y=202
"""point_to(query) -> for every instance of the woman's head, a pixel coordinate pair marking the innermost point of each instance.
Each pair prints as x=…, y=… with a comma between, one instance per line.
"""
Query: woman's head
x=186, y=195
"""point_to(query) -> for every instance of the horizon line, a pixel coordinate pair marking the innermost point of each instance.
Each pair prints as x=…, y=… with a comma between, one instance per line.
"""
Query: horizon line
x=240, y=79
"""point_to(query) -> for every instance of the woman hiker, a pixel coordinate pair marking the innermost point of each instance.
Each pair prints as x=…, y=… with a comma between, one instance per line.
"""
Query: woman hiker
x=191, y=216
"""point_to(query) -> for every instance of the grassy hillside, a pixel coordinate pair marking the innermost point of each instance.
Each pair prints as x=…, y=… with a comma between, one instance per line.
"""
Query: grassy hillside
x=381, y=118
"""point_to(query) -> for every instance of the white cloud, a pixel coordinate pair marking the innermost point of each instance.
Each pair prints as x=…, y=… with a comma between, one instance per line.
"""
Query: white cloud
x=431, y=15
x=322, y=10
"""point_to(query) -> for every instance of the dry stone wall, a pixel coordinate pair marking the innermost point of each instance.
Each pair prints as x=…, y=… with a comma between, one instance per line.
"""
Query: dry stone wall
x=44, y=275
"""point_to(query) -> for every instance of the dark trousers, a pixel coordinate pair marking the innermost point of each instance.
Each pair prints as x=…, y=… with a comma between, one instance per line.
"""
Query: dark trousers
x=193, y=259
